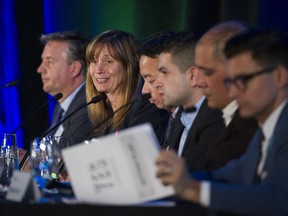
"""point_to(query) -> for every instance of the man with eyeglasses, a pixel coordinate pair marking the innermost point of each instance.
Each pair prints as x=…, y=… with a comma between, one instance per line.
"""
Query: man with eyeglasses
x=233, y=140
x=257, y=183
x=241, y=81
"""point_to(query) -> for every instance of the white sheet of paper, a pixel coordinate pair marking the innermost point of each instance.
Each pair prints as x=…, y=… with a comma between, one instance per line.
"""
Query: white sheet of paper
x=117, y=169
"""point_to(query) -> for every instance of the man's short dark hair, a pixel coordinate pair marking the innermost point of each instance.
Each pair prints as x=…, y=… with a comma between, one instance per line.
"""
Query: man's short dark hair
x=181, y=46
x=267, y=47
x=152, y=45
x=77, y=43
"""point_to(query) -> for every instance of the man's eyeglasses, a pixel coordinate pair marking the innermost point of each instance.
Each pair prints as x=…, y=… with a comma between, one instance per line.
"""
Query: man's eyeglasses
x=241, y=81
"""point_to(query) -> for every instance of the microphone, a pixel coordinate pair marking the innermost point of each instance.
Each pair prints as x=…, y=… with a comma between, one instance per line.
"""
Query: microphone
x=94, y=100
x=55, y=98
x=143, y=97
x=10, y=84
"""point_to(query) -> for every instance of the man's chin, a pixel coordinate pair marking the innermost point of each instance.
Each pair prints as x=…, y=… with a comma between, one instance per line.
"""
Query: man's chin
x=212, y=105
x=245, y=114
x=46, y=90
x=158, y=105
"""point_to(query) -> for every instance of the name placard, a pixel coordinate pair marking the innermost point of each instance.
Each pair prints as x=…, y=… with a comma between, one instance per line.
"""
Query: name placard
x=22, y=187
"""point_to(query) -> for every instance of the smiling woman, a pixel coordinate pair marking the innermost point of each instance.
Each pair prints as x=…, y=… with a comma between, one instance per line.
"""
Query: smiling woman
x=113, y=72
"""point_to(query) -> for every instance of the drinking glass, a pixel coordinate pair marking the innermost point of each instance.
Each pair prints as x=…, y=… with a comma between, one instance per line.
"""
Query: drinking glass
x=9, y=156
x=45, y=158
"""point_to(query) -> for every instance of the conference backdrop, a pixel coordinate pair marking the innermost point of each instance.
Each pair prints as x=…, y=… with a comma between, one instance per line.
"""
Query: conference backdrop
x=22, y=23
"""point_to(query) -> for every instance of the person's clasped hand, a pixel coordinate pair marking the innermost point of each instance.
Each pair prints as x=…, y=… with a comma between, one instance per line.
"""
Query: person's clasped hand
x=172, y=171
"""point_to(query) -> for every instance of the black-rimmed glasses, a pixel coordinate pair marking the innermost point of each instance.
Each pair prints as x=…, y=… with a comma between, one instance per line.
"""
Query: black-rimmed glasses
x=241, y=81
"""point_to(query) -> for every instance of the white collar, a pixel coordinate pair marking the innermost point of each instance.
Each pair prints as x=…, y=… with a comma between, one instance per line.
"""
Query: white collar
x=229, y=111
x=270, y=123
x=66, y=103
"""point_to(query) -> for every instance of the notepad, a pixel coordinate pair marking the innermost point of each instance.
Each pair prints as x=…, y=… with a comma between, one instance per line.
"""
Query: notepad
x=117, y=169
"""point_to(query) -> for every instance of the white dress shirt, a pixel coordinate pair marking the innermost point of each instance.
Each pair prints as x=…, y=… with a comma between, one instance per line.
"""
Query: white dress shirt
x=187, y=120
x=229, y=111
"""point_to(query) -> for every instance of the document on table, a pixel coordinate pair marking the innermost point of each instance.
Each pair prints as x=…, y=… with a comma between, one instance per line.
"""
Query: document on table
x=117, y=169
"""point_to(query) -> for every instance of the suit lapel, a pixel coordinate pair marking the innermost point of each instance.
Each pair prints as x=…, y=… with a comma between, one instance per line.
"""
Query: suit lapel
x=250, y=169
x=175, y=134
x=278, y=138
x=175, y=131
x=78, y=99
x=227, y=132
x=190, y=140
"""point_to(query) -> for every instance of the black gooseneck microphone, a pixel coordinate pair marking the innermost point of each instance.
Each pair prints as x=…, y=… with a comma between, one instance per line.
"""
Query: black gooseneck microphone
x=55, y=98
x=143, y=97
x=10, y=84
x=94, y=100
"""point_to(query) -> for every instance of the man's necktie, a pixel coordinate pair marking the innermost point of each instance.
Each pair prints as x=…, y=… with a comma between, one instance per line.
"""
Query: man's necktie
x=260, y=141
x=58, y=111
x=171, y=119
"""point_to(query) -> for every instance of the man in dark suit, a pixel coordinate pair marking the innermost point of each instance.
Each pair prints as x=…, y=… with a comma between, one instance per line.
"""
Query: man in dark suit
x=207, y=124
x=63, y=69
x=76, y=127
x=195, y=124
x=231, y=142
x=255, y=184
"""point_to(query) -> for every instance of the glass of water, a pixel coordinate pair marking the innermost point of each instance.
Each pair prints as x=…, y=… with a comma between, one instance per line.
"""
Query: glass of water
x=45, y=158
x=9, y=156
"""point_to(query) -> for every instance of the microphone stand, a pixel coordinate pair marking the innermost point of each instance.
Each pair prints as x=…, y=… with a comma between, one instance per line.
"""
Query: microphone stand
x=10, y=84
x=94, y=100
x=55, y=97
x=137, y=99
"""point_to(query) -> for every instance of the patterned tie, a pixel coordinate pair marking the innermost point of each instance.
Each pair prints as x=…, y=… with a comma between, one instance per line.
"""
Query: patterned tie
x=171, y=119
x=58, y=111
x=260, y=141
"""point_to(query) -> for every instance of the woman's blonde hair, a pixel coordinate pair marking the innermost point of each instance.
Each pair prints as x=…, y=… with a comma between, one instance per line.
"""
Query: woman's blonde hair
x=121, y=46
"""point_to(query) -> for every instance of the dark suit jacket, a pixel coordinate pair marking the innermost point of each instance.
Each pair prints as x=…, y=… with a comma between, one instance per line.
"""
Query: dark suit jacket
x=207, y=124
x=243, y=195
x=144, y=112
x=232, y=141
x=78, y=125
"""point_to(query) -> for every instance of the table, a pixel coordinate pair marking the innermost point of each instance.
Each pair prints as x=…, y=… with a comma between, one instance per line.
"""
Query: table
x=51, y=205
x=62, y=209
x=12, y=209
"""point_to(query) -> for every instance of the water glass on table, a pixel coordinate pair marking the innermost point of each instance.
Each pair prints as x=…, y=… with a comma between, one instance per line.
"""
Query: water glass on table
x=9, y=157
x=45, y=158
